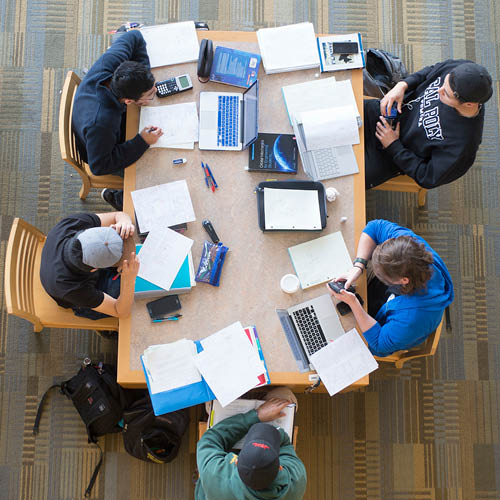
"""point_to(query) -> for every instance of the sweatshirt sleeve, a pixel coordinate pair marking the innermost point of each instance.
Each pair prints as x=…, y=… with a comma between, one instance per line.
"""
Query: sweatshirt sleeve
x=294, y=465
x=380, y=230
x=216, y=443
x=389, y=338
x=131, y=46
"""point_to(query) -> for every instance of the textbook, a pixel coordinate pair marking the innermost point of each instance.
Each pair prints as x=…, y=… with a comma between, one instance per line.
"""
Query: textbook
x=273, y=153
x=234, y=67
x=337, y=62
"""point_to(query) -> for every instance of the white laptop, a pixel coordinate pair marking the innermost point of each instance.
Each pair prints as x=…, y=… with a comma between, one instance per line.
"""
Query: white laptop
x=309, y=326
x=229, y=120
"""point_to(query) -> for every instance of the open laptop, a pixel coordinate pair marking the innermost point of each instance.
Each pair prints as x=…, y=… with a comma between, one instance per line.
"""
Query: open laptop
x=327, y=163
x=229, y=120
x=309, y=326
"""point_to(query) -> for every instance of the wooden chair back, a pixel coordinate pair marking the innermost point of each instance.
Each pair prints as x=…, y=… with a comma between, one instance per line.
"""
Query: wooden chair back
x=67, y=143
x=24, y=294
x=427, y=349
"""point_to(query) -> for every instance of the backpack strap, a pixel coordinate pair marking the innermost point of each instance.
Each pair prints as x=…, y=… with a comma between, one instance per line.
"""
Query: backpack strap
x=94, y=474
x=40, y=407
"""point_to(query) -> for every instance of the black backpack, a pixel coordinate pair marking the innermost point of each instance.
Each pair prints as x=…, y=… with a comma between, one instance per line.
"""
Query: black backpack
x=153, y=438
x=100, y=401
x=383, y=70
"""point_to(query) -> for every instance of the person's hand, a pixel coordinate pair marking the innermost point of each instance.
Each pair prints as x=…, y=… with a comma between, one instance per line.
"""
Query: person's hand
x=344, y=296
x=396, y=94
x=385, y=134
x=130, y=267
x=272, y=409
x=151, y=134
x=350, y=277
x=124, y=229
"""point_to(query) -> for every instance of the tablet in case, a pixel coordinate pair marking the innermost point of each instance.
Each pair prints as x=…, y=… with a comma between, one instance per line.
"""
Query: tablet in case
x=291, y=184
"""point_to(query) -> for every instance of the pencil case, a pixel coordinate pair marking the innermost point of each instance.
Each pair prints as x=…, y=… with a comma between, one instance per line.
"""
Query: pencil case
x=211, y=262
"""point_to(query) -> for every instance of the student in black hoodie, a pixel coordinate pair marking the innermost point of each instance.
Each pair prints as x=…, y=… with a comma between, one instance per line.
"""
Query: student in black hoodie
x=119, y=77
x=439, y=129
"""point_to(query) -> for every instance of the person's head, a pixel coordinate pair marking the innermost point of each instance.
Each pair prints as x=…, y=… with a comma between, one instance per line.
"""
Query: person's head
x=467, y=86
x=133, y=82
x=403, y=261
x=259, y=459
x=94, y=248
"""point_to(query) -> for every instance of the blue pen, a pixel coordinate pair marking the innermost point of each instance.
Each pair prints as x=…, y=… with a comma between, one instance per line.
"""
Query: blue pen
x=211, y=175
x=168, y=318
x=205, y=174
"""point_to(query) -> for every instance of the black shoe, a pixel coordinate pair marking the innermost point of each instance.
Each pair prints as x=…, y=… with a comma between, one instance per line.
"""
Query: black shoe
x=107, y=334
x=114, y=197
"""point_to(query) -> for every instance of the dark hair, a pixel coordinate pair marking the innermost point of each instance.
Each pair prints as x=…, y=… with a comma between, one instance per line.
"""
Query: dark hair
x=402, y=257
x=130, y=80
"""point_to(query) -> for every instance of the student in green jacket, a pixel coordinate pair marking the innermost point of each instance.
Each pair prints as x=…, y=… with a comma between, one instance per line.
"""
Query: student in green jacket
x=266, y=468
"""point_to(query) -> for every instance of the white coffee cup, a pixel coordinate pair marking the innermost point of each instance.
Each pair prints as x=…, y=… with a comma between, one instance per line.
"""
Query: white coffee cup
x=290, y=283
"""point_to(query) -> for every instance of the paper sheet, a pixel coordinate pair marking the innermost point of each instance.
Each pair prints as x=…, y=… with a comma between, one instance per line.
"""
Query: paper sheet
x=319, y=260
x=171, y=365
x=229, y=363
x=162, y=255
x=163, y=205
x=330, y=127
x=291, y=209
x=343, y=362
x=179, y=123
x=171, y=43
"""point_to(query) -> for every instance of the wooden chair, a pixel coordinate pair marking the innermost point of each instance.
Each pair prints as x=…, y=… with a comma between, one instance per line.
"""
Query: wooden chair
x=24, y=293
x=402, y=183
x=67, y=143
x=427, y=349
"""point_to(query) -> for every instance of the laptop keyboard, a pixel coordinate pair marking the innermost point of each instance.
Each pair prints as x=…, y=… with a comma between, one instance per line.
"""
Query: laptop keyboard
x=310, y=329
x=326, y=162
x=227, y=122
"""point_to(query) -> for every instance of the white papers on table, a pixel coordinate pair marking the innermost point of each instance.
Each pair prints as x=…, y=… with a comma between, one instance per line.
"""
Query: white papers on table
x=218, y=413
x=172, y=43
x=320, y=260
x=179, y=123
x=343, y=362
x=229, y=363
x=330, y=127
x=291, y=209
x=162, y=255
x=163, y=205
x=171, y=365
x=288, y=48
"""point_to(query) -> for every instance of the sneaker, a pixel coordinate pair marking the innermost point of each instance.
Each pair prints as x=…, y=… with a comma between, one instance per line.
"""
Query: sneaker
x=113, y=197
x=107, y=334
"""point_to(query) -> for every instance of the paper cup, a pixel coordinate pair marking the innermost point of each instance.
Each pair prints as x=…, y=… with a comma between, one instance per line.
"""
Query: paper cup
x=290, y=283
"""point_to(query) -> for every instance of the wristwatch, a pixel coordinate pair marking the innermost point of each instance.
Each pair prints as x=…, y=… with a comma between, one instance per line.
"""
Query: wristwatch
x=362, y=261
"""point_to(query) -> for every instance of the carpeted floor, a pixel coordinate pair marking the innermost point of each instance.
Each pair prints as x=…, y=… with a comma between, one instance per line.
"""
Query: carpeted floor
x=428, y=432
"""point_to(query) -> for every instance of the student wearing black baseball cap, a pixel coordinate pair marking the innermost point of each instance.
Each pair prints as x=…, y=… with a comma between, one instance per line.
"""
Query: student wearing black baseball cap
x=440, y=118
x=266, y=468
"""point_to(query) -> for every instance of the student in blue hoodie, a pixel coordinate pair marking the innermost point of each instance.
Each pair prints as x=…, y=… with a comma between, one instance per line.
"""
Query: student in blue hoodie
x=408, y=294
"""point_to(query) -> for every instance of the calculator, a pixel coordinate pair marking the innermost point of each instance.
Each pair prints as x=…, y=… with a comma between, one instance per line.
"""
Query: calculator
x=173, y=85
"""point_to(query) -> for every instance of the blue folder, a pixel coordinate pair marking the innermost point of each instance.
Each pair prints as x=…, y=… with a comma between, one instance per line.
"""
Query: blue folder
x=180, y=397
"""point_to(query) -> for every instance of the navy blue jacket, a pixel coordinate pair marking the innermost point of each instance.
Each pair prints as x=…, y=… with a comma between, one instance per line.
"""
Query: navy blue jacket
x=98, y=114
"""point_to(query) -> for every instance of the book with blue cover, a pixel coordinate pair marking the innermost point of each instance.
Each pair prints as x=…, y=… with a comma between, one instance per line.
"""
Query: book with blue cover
x=234, y=67
x=273, y=153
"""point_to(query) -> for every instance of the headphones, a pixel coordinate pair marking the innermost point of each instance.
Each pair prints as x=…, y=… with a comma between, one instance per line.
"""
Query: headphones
x=205, y=60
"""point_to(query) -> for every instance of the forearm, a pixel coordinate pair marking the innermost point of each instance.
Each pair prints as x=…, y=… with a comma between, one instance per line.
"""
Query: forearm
x=363, y=319
x=366, y=246
x=123, y=304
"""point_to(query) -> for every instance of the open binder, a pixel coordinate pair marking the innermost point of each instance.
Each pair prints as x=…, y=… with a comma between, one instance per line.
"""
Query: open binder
x=288, y=223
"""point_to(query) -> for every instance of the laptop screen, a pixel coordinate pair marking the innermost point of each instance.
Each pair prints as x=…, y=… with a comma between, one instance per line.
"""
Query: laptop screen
x=250, y=114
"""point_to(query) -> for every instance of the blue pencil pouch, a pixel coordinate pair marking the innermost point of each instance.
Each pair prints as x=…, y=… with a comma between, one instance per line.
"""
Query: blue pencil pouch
x=211, y=262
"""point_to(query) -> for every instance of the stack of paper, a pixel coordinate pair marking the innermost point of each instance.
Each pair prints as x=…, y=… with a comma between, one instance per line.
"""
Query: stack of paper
x=288, y=48
x=343, y=362
x=218, y=413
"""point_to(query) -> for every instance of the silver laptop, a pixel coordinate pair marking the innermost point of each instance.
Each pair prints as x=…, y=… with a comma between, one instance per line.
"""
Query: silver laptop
x=327, y=163
x=309, y=326
x=229, y=120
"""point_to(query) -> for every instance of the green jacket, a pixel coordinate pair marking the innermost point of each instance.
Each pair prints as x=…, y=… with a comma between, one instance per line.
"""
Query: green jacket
x=219, y=478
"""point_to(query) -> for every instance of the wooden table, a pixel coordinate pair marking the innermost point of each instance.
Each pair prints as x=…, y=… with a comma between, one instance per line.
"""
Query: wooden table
x=249, y=289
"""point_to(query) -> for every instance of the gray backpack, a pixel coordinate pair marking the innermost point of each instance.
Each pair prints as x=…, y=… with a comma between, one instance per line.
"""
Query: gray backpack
x=383, y=70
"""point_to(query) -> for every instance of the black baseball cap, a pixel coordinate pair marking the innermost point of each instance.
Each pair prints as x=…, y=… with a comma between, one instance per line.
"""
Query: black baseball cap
x=259, y=459
x=471, y=82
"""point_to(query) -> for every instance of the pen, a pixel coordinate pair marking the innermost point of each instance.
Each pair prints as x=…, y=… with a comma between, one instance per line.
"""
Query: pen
x=211, y=175
x=168, y=318
x=205, y=174
x=208, y=176
x=114, y=278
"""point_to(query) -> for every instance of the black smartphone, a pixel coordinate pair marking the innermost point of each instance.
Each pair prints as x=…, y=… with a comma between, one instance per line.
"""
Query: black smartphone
x=344, y=309
x=345, y=48
x=160, y=308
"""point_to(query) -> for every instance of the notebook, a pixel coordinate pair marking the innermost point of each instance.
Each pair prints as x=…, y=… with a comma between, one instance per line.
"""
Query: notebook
x=229, y=121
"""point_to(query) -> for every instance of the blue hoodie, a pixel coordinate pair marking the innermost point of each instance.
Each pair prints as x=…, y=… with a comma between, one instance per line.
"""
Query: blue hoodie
x=407, y=320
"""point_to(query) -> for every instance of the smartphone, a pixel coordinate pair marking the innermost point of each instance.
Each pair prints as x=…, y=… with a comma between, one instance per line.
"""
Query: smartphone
x=160, y=308
x=345, y=47
x=344, y=309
